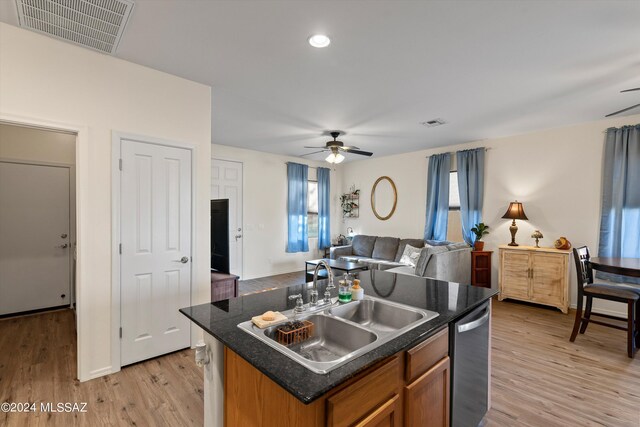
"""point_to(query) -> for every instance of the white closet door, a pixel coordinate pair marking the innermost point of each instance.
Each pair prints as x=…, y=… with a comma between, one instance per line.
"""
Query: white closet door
x=156, y=249
x=34, y=237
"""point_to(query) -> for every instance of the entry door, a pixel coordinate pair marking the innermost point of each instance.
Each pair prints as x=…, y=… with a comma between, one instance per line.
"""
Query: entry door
x=34, y=237
x=226, y=178
x=155, y=226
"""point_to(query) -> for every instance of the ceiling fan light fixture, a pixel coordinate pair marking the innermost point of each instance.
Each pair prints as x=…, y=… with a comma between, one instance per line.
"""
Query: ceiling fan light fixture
x=335, y=158
x=319, y=40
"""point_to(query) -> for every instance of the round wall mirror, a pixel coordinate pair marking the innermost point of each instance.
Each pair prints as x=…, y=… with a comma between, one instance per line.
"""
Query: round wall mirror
x=384, y=198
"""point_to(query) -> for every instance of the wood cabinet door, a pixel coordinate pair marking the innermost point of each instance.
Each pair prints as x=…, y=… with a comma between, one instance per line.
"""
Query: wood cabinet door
x=387, y=415
x=514, y=278
x=548, y=281
x=426, y=399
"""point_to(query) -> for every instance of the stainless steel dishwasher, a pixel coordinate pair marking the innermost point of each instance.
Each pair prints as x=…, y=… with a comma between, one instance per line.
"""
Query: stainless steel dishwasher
x=469, y=337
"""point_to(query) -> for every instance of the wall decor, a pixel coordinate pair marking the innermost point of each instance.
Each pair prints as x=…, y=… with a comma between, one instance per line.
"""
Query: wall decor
x=384, y=198
x=350, y=203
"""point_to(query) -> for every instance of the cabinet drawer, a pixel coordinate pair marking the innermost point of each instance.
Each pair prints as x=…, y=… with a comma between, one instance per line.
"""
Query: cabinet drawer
x=423, y=356
x=365, y=395
x=386, y=415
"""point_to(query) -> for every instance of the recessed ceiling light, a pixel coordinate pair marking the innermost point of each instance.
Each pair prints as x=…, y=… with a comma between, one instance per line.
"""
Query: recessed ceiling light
x=319, y=40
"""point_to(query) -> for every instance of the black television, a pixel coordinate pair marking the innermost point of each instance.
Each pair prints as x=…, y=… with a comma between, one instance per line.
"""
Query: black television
x=220, y=235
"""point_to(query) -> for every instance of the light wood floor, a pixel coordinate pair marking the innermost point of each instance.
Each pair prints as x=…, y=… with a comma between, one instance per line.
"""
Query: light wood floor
x=263, y=284
x=539, y=378
x=38, y=364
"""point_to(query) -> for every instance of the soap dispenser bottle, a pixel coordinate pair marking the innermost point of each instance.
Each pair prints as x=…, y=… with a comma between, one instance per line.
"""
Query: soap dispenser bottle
x=357, y=293
x=344, y=293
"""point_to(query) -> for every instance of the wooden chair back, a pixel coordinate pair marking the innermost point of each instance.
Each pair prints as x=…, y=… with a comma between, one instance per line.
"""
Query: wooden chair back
x=583, y=268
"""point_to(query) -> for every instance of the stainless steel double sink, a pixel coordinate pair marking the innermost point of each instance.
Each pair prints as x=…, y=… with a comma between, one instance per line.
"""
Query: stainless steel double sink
x=343, y=332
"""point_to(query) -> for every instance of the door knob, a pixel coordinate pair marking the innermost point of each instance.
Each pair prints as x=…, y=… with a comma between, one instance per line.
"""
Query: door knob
x=184, y=260
x=63, y=235
x=63, y=246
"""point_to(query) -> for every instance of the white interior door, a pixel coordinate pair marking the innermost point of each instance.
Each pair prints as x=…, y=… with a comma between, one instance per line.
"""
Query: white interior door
x=34, y=237
x=226, y=183
x=155, y=226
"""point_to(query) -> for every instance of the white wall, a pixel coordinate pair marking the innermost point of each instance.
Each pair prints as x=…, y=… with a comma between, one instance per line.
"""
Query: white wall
x=23, y=143
x=265, y=211
x=45, y=80
x=556, y=173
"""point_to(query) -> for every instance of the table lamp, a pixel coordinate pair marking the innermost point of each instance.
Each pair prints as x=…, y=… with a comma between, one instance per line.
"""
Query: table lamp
x=514, y=211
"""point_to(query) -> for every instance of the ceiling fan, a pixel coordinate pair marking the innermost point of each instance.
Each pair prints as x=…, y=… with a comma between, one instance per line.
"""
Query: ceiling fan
x=336, y=147
x=628, y=108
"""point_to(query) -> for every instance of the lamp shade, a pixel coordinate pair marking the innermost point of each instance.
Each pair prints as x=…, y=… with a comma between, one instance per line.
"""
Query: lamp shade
x=515, y=211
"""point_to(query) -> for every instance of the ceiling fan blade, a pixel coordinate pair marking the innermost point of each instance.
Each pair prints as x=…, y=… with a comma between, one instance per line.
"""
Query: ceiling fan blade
x=351, y=147
x=323, y=148
x=622, y=111
x=630, y=90
x=362, y=153
x=315, y=152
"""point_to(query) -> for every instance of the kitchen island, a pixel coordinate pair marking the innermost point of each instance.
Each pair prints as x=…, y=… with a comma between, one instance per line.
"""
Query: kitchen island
x=254, y=368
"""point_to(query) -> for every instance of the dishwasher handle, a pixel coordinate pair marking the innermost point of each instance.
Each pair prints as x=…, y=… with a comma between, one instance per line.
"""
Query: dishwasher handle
x=475, y=323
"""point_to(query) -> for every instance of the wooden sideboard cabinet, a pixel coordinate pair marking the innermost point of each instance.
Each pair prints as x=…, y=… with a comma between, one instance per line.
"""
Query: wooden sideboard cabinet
x=538, y=275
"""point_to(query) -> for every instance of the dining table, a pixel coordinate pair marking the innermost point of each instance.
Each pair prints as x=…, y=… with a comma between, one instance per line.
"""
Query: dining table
x=623, y=266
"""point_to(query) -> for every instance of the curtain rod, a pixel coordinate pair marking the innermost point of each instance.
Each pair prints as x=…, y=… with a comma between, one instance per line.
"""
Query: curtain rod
x=310, y=167
x=486, y=149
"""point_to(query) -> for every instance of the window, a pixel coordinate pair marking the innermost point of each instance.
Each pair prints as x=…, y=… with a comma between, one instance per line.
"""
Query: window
x=454, y=195
x=312, y=209
x=454, y=227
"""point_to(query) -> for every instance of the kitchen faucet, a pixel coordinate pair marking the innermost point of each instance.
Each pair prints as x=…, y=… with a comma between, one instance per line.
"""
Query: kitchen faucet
x=313, y=298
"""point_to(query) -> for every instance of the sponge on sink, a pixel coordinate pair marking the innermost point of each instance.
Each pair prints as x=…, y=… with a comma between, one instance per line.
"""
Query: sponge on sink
x=267, y=319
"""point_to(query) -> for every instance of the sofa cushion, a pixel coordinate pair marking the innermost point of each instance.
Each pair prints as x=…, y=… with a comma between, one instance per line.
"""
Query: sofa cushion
x=385, y=248
x=416, y=243
x=410, y=255
x=425, y=257
x=457, y=246
x=381, y=264
x=363, y=245
x=405, y=269
x=438, y=242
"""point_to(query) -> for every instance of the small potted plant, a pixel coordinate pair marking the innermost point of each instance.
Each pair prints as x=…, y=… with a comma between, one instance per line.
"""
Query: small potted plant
x=479, y=230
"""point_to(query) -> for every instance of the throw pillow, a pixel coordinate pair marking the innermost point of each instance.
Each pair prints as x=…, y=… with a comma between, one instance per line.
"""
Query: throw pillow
x=410, y=255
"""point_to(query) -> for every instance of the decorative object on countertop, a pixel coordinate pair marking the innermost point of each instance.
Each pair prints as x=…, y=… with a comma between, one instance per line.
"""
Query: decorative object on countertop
x=537, y=235
x=562, y=243
x=350, y=203
x=357, y=293
x=376, y=206
x=480, y=230
x=514, y=211
x=295, y=332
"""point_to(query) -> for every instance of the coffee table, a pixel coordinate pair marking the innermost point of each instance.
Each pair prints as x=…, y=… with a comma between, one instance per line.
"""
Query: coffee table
x=336, y=266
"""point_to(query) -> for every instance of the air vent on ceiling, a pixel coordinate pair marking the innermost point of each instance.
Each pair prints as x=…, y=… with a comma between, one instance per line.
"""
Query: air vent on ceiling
x=433, y=123
x=96, y=24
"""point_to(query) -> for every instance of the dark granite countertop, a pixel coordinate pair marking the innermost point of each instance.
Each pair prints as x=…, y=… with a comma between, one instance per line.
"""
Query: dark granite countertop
x=220, y=319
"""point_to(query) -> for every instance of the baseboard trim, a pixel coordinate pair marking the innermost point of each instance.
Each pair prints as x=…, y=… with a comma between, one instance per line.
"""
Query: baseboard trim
x=96, y=373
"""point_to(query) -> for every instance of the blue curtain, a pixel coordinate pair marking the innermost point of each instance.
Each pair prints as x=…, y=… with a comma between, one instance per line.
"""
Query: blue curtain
x=324, y=226
x=620, y=218
x=471, y=189
x=435, y=227
x=297, y=240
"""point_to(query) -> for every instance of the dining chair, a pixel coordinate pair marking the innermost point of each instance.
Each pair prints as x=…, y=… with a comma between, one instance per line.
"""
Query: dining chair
x=617, y=293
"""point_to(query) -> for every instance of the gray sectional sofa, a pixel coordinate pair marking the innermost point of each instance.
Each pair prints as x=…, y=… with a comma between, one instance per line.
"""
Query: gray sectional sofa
x=438, y=260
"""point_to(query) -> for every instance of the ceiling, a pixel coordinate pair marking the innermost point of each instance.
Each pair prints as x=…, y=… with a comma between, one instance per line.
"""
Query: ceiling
x=488, y=68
